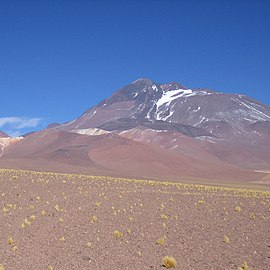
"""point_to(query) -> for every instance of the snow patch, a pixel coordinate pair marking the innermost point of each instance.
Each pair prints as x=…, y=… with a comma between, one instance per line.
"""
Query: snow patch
x=173, y=147
x=206, y=138
x=202, y=119
x=256, y=132
x=169, y=96
x=196, y=110
x=148, y=114
x=154, y=87
x=258, y=114
x=248, y=119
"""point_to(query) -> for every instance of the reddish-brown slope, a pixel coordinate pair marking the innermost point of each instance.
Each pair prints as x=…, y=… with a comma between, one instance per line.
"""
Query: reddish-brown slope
x=53, y=150
x=253, y=156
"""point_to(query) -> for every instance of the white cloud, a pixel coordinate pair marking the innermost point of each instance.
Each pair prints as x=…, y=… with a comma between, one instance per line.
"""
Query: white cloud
x=17, y=125
x=13, y=133
x=19, y=122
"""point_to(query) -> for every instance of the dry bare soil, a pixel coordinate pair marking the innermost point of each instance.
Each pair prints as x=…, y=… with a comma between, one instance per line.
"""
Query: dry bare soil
x=60, y=221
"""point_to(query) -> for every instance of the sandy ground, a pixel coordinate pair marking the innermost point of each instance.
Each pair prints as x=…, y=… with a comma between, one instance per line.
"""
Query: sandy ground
x=56, y=221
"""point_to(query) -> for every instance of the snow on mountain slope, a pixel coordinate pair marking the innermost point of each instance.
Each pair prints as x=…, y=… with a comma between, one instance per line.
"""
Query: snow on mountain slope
x=222, y=115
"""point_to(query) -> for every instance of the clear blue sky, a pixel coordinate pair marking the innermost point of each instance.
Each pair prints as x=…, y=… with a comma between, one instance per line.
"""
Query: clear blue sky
x=58, y=58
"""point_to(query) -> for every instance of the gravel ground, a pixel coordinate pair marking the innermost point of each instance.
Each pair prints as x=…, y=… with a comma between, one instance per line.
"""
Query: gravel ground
x=58, y=221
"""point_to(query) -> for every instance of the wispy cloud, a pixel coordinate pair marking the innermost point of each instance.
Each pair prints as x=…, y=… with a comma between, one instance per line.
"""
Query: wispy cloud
x=17, y=125
x=13, y=133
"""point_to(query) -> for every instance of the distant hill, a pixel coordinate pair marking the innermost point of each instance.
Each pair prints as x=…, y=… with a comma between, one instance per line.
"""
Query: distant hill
x=3, y=134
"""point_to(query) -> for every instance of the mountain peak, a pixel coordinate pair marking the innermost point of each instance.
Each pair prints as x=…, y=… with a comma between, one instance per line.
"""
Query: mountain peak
x=144, y=81
x=164, y=86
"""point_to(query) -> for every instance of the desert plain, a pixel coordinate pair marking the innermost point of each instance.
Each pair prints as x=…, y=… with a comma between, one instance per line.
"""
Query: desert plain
x=72, y=221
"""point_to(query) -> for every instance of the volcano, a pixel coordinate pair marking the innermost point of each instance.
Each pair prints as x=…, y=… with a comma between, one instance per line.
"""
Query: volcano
x=158, y=131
